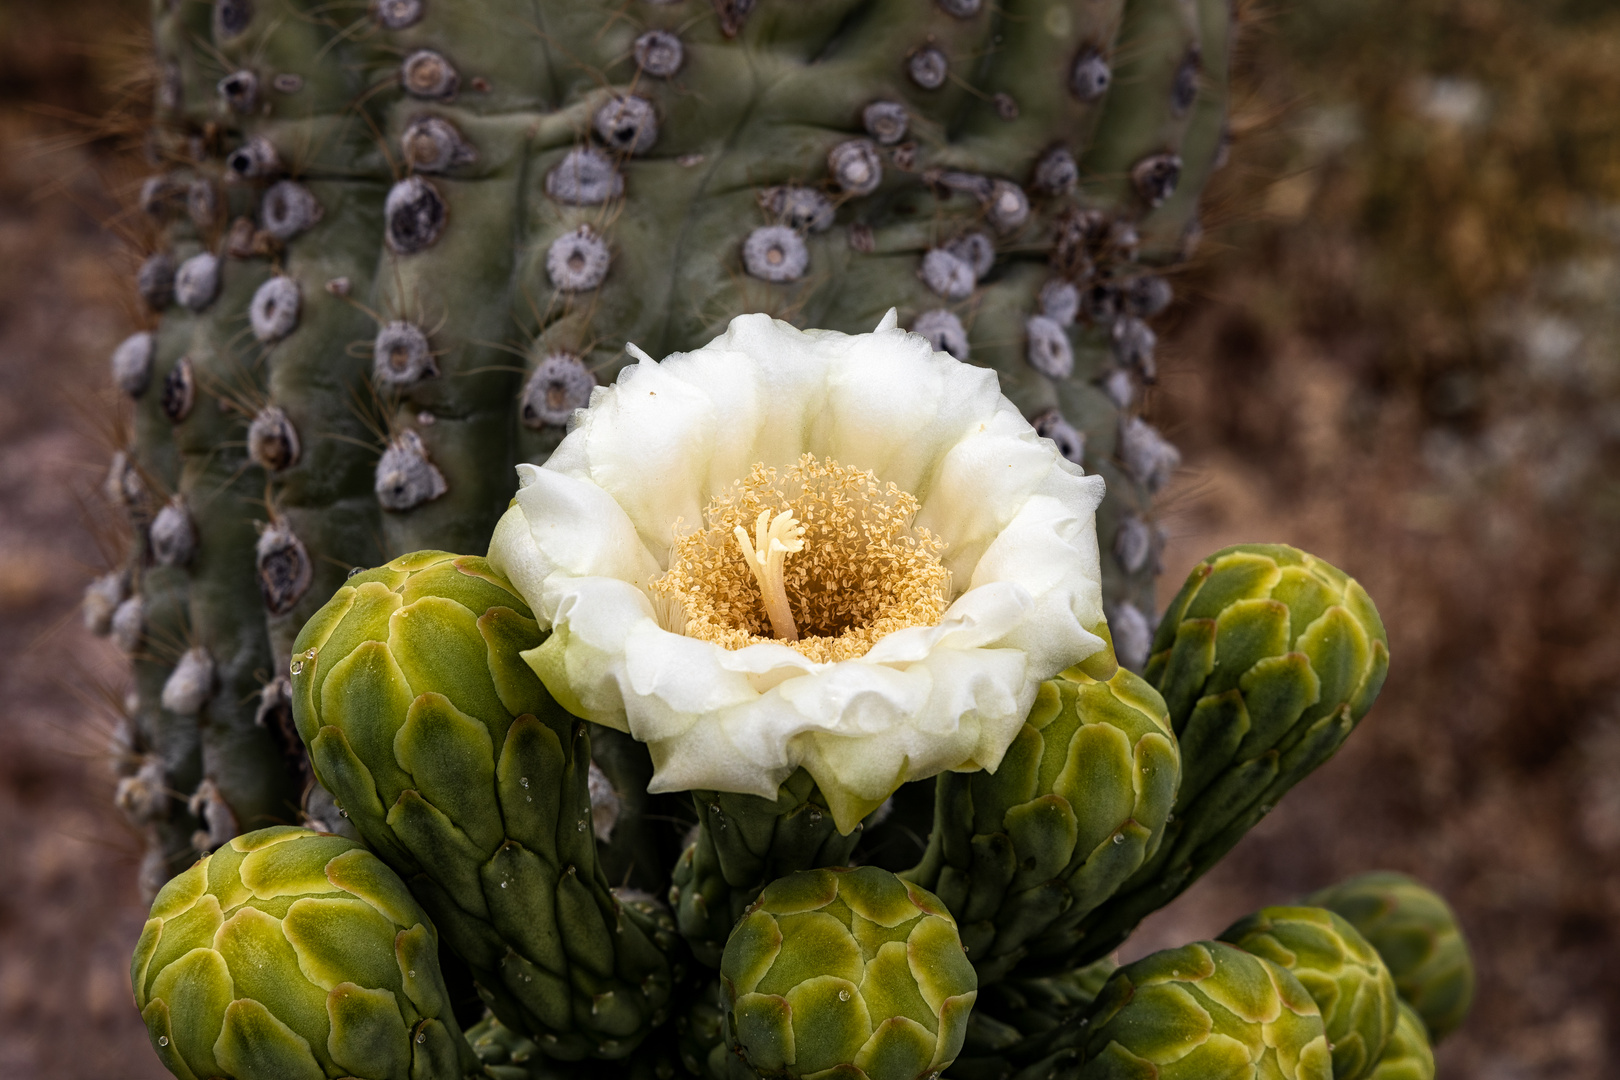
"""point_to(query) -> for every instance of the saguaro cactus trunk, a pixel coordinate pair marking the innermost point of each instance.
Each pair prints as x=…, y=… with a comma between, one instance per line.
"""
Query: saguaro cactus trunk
x=400, y=243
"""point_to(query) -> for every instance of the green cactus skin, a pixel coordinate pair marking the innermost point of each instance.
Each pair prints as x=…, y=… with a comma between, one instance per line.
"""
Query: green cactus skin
x=1407, y=1055
x=292, y=124
x=1026, y=1018
x=1204, y=1010
x=1078, y=804
x=1417, y=934
x=1267, y=659
x=743, y=843
x=849, y=973
x=295, y=955
x=455, y=765
x=1338, y=968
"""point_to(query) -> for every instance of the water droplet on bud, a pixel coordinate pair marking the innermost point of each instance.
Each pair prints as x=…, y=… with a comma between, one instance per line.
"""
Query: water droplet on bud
x=296, y=667
x=843, y=995
x=163, y=1040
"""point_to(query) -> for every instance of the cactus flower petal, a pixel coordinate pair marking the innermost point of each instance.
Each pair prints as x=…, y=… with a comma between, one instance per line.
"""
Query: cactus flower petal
x=993, y=518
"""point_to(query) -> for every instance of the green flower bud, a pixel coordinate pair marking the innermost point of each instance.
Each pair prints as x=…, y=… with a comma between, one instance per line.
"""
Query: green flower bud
x=1267, y=659
x=1407, y=1055
x=1416, y=933
x=743, y=843
x=1338, y=968
x=1204, y=1010
x=1262, y=647
x=457, y=767
x=1080, y=801
x=848, y=970
x=295, y=955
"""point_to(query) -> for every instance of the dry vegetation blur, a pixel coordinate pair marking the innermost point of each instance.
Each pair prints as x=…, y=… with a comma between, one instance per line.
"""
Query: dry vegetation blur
x=1399, y=349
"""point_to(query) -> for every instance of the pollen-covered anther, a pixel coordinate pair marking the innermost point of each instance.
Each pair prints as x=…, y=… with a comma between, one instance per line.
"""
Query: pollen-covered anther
x=627, y=124
x=855, y=167
x=659, y=53
x=775, y=253
x=432, y=144
x=858, y=570
x=428, y=75
x=578, y=260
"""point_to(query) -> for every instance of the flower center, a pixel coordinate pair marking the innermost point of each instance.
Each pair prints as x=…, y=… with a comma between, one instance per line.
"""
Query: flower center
x=820, y=557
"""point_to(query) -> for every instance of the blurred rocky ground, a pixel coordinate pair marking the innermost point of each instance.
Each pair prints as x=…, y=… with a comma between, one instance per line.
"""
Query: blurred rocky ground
x=1399, y=348
x=69, y=909
x=1404, y=356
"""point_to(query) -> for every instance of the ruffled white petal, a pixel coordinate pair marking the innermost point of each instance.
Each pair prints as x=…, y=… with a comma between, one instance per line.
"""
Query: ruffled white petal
x=590, y=529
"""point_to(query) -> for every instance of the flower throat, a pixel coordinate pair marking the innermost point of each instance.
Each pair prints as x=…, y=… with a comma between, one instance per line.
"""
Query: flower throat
x=822, y=557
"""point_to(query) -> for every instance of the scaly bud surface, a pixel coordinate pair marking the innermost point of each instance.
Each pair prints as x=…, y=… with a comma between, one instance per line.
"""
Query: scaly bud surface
x=848, y=973
x=460, y=771
x=299, y=956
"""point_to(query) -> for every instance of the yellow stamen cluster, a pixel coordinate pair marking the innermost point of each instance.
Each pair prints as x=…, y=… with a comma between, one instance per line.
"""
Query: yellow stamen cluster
x=859, y=570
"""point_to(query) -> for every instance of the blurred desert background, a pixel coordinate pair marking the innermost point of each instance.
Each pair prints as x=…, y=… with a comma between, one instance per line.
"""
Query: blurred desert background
x=1398, y=347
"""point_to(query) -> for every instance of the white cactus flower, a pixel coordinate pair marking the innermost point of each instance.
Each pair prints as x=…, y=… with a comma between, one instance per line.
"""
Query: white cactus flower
x=937, y=558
